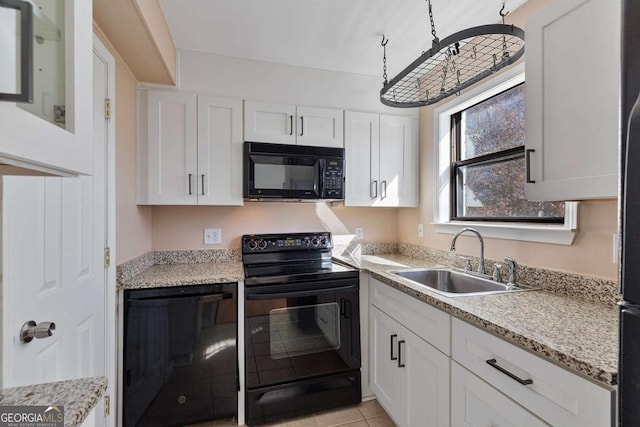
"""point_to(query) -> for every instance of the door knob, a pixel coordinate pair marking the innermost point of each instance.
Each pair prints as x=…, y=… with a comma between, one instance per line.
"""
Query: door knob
x=31, y=330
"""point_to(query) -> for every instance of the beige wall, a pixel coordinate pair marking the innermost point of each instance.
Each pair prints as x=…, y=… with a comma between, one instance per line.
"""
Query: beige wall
x=181, y=227
x=133, y=223
x=592, y=250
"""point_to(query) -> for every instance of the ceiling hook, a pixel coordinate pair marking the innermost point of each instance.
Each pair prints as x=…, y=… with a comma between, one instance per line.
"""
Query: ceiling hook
x=384, y=41
x=502, y=12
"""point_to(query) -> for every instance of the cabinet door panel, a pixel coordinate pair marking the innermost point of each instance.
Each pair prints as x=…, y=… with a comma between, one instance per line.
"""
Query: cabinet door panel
x=362, y=140
x=425, y=376
x=474, y=403
x=399, y=165
x=219, y=151
x=267, y=122
x=572, y=103
x=172, y=148
x=383, y=340
x=322, y=127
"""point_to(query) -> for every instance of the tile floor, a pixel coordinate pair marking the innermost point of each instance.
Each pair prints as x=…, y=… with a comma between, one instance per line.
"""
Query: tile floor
x=366, y=414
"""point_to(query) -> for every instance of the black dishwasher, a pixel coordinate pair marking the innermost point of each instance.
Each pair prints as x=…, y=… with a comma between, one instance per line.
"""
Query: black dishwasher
x=180, y=355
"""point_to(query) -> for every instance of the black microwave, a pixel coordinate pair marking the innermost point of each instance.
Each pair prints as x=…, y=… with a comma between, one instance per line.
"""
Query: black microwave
x=292, y=172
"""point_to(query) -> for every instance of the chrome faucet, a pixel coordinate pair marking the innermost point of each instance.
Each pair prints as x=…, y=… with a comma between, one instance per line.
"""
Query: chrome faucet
x=477, y=233
x=513, y=266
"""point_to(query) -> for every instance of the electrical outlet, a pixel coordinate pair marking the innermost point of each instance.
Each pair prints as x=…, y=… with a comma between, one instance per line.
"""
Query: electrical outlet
x=212, y=236
x=359, y=233
x=420, y=230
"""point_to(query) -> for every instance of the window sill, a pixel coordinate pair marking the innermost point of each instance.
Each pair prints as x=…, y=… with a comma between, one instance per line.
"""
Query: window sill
x=540, y=233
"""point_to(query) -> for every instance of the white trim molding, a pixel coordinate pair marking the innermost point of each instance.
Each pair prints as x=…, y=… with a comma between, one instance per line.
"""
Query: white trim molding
x=562, y=234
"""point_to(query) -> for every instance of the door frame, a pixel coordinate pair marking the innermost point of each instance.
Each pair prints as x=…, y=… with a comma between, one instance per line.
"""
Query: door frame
x=110, y=300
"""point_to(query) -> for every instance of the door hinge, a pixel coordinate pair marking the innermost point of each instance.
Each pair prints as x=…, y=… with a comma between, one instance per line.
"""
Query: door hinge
x=107, y=108
x=107, y=257
x=107, y=405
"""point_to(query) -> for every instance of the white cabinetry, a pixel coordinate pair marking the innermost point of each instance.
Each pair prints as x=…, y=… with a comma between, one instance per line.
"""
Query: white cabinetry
x=31, y=142
x=551, y=393
x=190, y=149
x=409, y=376
x=290, y=124
x=572, y=103
x=381, y=153
x=475, y=403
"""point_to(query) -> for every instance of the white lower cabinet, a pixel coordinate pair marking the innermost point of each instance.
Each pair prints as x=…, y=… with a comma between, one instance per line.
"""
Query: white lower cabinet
x=474, y=403
x=409, y=376
x=555, y=395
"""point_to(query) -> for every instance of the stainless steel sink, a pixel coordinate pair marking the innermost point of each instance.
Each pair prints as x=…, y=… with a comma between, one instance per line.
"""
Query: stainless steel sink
x=454, y=283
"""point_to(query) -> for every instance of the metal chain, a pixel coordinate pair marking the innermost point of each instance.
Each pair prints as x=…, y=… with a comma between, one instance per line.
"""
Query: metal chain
x=433, y=25
x=384, y=59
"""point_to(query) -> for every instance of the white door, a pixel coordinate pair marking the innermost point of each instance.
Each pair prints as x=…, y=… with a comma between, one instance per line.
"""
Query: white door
x=219, y=151
x=361, y=144
x=268, y=122
x=383, y=359
x=424, y=377
x=321, y=127
x=54, y=234
x=173, y=148
x=398, y=165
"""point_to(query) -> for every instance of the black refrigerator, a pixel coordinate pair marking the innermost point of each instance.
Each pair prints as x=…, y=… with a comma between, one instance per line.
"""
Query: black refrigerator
x=629, y=361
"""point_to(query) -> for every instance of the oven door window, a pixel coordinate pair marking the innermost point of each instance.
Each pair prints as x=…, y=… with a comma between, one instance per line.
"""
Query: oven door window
x=310, y=329
x=293, y=176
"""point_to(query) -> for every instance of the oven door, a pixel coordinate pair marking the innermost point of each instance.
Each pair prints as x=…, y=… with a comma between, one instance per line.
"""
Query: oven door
x=288, y=176
x=300, y=331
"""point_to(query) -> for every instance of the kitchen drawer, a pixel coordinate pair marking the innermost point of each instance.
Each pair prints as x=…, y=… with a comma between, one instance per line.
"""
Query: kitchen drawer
x=429, y=323
x=556, y=395
x=475, y=403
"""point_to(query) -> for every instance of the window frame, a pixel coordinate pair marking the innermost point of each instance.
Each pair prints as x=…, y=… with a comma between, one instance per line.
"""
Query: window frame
x=557, y=232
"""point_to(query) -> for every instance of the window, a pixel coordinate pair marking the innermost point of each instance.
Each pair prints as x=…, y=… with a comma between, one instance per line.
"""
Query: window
x=487, y=168
x=479, y=167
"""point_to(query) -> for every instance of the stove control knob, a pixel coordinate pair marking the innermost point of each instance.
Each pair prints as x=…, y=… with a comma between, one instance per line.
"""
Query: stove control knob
x=252, y=244
x=262, y=244
x=324, y=241
x=315, y=241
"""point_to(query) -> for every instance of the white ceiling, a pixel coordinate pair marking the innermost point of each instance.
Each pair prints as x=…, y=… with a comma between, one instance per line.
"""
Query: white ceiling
x=337, y=35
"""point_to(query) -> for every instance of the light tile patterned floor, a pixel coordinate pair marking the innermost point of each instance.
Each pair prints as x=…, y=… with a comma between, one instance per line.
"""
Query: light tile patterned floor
x=366, y=414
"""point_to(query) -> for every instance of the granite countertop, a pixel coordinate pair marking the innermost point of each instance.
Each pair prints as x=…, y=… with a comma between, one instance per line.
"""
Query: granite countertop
x=166, y=275
x=574, y=333
x=78, y=397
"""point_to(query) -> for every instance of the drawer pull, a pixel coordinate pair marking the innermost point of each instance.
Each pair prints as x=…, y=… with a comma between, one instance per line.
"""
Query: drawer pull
x=400, y=364
x=391, y=346
x=494, y=364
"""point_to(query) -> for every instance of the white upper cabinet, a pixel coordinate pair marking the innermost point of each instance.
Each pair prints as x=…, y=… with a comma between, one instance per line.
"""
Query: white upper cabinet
x=381, y=153
x=190, y=149
x=54, y=133
x=290, y=124
x=572, y=102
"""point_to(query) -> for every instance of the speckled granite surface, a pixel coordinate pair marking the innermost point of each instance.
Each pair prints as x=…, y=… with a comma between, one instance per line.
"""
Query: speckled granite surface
x=181, y=268
x=166, y=275
x=78, y=397
x=574, y=333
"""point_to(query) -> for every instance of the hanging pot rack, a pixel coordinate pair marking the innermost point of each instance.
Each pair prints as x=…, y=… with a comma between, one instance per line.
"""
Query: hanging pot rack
x=453, y=64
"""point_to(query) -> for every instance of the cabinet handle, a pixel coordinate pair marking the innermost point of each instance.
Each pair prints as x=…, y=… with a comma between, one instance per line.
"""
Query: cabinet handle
x=384, y=190
x=301, y=125
x=493, y=363
x=374, y=184
x=527, y=167
x=291, y=125
x=203, y=184
x=400, y=364
x=190, y=193
x=391, y=347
